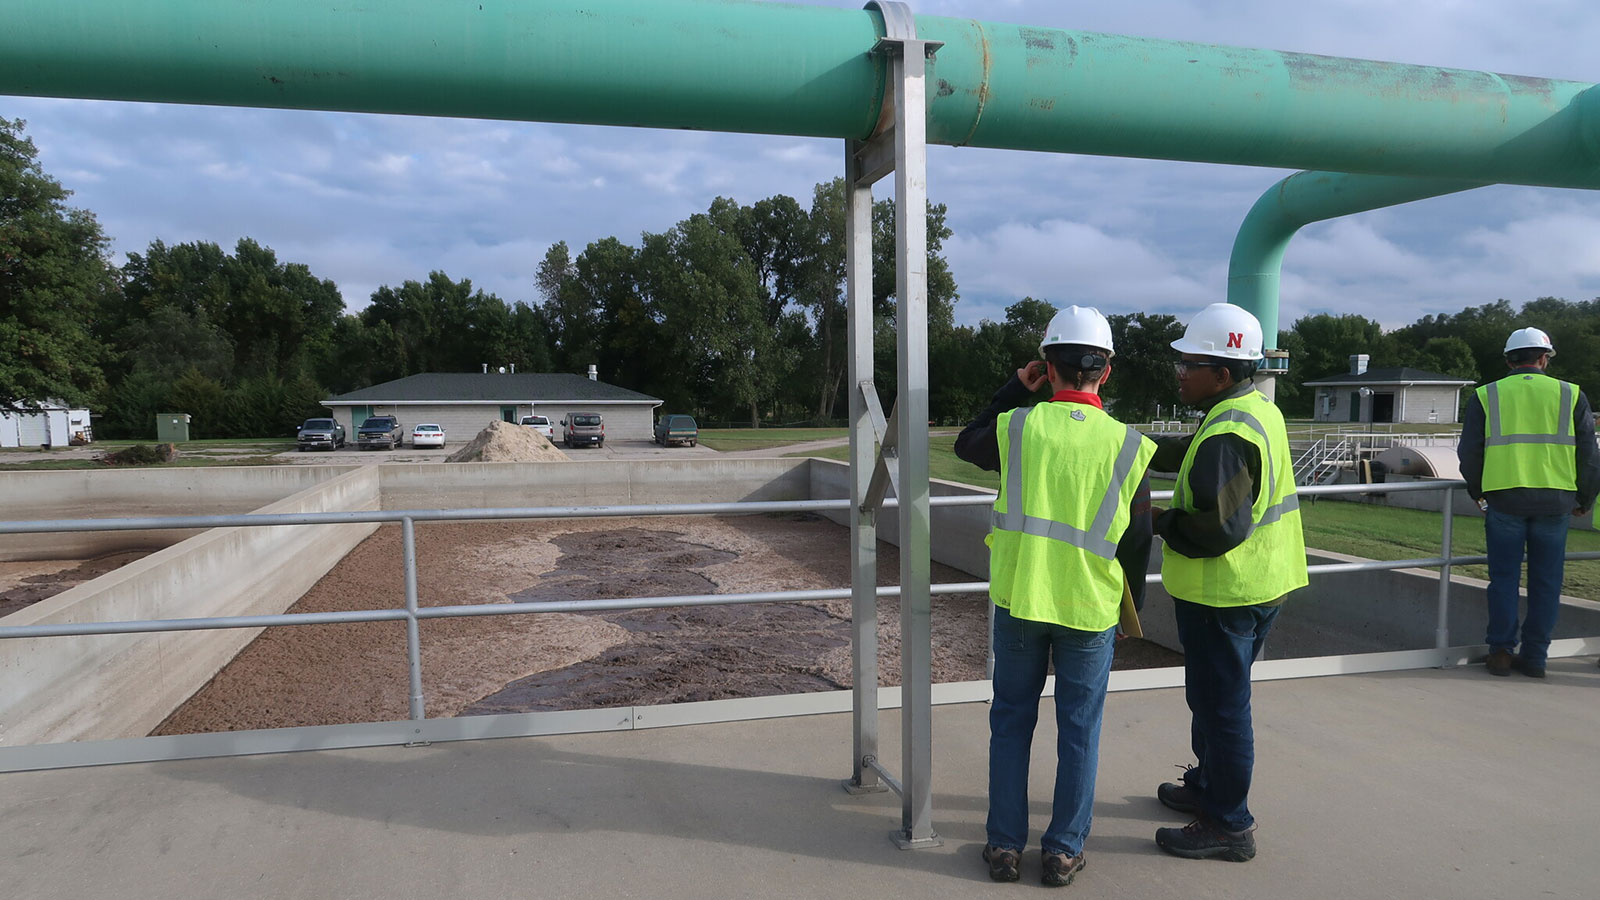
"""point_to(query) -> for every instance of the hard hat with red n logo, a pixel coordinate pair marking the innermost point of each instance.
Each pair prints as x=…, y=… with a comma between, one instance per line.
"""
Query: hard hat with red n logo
x=1222, y=330
x=1529, y=339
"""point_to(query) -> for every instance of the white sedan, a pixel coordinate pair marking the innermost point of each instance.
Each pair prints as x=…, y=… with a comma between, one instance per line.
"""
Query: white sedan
x=427, y=436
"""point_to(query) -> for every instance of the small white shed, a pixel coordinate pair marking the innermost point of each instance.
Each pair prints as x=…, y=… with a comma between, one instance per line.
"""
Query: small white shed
x=49, y=423
x=1388, y=395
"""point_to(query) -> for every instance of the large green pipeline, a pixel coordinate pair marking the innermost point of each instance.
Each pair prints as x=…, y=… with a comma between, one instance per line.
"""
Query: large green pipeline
x=729, y=65
x=1296, y=201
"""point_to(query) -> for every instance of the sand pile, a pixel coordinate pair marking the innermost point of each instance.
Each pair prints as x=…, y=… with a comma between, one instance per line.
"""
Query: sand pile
x=505, y=442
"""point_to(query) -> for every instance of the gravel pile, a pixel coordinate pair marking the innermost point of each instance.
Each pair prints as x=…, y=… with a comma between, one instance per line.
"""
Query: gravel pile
x=505, y=442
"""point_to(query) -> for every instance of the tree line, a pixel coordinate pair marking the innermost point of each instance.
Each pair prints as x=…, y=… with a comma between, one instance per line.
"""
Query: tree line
x=736, y=314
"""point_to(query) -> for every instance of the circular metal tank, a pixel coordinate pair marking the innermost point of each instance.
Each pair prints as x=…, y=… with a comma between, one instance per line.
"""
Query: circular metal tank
x=1431, y=462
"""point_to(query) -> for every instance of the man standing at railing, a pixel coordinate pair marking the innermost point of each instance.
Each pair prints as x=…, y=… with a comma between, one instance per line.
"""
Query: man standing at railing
x=1071, y=535
x=1528, y=455
x=1233, y=550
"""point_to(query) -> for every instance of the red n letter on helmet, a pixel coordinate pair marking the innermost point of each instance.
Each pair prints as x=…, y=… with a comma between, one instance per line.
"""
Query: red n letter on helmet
x=1236, y=339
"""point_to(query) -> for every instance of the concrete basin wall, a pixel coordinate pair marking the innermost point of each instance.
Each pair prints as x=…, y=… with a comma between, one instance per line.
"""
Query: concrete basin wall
x=597, y=483
x=1369, y=612
x=116, y=686
x=124, y=493
x=956, y=533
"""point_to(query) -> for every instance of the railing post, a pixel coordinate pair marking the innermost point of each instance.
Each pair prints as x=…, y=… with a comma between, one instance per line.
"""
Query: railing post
x=408, y=540
x=1441, y=637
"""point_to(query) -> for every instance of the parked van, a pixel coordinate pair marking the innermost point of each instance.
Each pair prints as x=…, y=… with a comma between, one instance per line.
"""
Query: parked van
x=583, y=428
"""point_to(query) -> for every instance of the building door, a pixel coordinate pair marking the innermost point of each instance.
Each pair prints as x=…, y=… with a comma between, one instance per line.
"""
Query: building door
x=508, y=414
x=1383, y=407
x=1355, y=406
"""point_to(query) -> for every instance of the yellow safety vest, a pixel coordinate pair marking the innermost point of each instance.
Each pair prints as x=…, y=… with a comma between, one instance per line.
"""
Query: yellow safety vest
x=1270, y=562
x=1528, y=436
x=1068, y=472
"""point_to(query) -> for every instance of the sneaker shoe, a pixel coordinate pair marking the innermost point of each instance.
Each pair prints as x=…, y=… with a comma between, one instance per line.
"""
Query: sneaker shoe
x=1059, y=868
x=1179, y=797
x=1521, y=665
x=1499, y=662
x=1202, y=840
x=1003, y=863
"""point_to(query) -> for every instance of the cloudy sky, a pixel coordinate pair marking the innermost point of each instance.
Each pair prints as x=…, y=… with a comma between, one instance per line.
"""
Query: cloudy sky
x=369, y=200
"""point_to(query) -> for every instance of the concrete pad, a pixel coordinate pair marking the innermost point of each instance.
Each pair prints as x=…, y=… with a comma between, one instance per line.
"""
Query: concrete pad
x=1423, y=783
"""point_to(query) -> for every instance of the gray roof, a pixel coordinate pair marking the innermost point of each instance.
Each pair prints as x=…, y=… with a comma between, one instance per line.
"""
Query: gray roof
x=1402, y=375
x=492, y=388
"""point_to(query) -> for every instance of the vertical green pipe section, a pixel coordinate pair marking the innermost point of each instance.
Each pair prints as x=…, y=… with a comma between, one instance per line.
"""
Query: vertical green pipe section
x=734, y=65
x=1256, y=265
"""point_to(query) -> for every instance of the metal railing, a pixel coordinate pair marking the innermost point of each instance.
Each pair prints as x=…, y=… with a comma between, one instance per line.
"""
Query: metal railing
x=1320, y=459
x=412, y=614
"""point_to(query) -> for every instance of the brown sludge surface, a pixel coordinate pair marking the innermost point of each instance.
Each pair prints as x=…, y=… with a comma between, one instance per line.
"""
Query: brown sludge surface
x=23, y=584
x=313, y=675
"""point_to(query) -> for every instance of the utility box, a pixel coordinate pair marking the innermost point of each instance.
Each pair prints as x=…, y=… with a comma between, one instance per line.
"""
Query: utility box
x=172, y=428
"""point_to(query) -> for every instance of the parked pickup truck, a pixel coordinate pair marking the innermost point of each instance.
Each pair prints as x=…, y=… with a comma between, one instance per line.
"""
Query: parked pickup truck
x=314, y=433
x=542, y=425
x=380, y=431
x=677, y=430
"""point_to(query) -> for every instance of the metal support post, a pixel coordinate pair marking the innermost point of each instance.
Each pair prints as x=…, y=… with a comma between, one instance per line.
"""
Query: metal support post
x=901, y=148
x=408, y=539
x=865, y=432
x=1441, y=637
x=908, y=70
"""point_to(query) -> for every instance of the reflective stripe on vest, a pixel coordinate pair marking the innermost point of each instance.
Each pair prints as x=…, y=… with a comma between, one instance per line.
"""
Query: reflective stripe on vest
x=1277, y=510
x=1270, y=561
x=1097, y=539
x=1498, y=438
x=1529, y=439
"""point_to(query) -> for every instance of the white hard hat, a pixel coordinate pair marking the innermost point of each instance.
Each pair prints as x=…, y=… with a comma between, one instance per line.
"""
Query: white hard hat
x=1222, y=330
x=1529, y=339
x=1078, y=325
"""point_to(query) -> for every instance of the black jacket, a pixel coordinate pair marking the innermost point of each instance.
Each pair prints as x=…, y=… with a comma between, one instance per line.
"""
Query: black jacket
x=978, y=444
x=1224, y=481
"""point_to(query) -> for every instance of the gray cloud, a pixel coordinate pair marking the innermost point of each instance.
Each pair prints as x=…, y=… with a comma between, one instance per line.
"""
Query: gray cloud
x=369, y=200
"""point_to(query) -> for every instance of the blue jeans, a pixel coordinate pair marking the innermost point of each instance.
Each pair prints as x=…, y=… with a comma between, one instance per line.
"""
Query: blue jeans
x=1546, y=540
x=1022, y=651
x=1219, y=646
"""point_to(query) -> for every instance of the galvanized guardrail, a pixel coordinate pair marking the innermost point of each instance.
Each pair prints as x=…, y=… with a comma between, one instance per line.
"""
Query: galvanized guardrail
x=412, y=614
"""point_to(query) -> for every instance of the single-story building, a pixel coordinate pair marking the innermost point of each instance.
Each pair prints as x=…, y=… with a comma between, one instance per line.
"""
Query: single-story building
x=464, y=403
x=49, y=423
x=1388, y=395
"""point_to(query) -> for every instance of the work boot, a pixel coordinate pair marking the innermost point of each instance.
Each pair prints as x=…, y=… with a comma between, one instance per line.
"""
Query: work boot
x=1179, y=797
x=1201, y=839
x=1003, y=863
x=1059, y=868
x=1526, y=668
x=1499, y=662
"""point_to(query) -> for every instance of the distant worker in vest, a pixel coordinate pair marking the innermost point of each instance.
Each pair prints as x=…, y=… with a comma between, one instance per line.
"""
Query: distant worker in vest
x=1071, y=537
x=1233, y=550
x=1528, y=455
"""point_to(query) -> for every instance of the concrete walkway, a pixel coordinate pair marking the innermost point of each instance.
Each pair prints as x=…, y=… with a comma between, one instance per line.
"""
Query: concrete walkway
x=1417, y=784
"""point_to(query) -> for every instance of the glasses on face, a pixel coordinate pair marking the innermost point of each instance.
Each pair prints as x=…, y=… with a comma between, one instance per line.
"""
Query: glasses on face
x=1185, y=367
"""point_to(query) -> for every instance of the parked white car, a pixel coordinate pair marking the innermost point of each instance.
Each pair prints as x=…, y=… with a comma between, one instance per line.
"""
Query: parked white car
x=428, y=435
x=542, y=425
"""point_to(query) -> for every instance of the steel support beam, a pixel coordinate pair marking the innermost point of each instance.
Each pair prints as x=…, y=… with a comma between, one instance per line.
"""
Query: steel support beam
x=899, y=146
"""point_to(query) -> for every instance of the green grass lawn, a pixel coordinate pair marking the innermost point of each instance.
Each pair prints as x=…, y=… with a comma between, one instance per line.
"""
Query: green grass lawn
x=725, y=439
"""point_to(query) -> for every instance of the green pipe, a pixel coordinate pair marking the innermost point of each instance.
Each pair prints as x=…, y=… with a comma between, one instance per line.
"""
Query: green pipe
x=732, y=65
x=1296, y=201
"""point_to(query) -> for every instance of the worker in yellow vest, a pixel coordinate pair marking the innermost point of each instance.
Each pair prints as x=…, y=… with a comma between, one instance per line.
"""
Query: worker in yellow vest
x=1528, y=455
x=1071, y=534
x=1233, y=549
